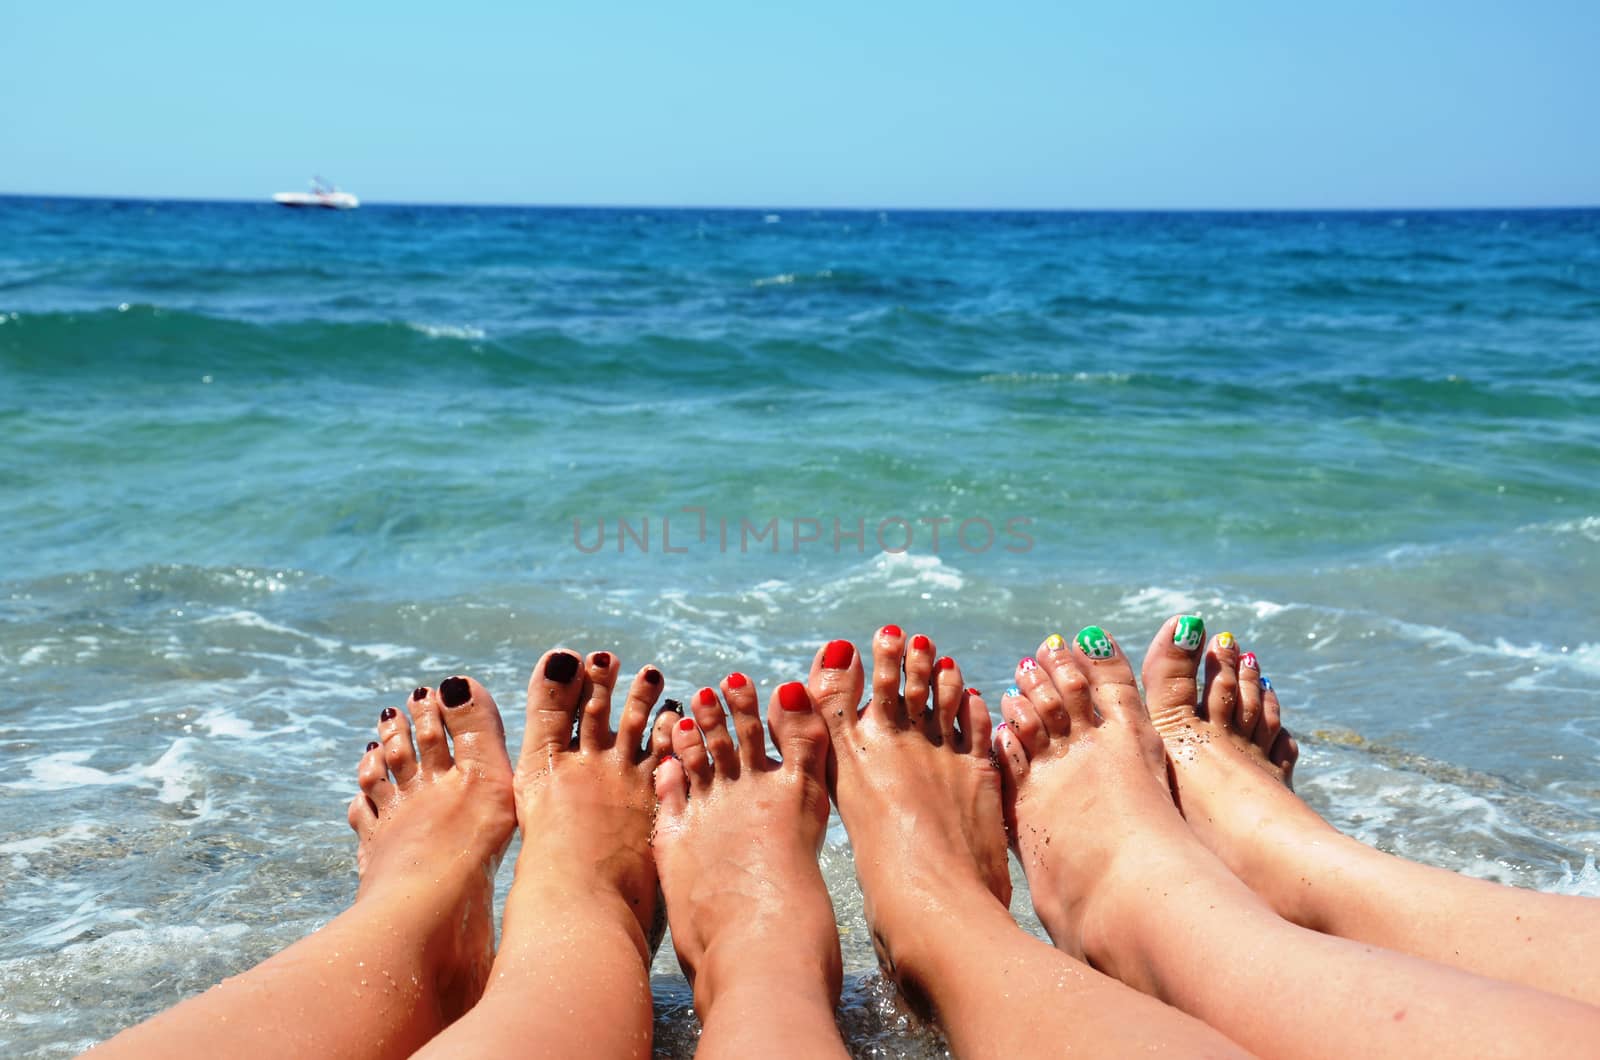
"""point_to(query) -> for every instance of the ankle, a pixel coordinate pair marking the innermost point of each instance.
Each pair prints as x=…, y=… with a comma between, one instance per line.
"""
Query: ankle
x=741, y=970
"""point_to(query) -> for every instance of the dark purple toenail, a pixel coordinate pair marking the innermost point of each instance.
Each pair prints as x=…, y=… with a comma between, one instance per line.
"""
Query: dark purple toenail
x=672, y=705
x=602, y=660
x=373, y=746
x=419, y=695
x=652, y=677
x=560, y=667
x=387, y=713
x=454, y=691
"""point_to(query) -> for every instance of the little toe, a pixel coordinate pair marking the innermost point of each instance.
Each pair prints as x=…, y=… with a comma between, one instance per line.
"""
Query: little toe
x=948, y=688
x=672, y=787
x=691, y=752
x=1284, y=754
x=1022, y=718
x=975, y=722
x=636, y=709
x=798, y=731
x=835, y=685
x=921, y=672
x=1055, y=658
x=1111, y=685
x=1039, y=686
x=373, y=777
x=477, y=735
x=553, y=690
x=362, y=815
x=394, y=733
x=713, y=724
x=743, y=703
x=1271, y=724
x=1170, y=687
x=1012, y=758
x=594, y=718
x=888, y=662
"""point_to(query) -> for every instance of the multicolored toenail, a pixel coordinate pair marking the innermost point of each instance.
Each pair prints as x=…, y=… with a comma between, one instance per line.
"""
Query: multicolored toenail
x=1055, y=642
x=1248, y=661
x=1225, y=641
x=1266, y=683
x=1027, y=664
x=1189, y=633
x=1014, y=691
x=1094, y=643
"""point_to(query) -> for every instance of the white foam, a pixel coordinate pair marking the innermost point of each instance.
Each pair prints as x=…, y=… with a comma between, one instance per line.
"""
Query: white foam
x=447, y=331
x=38, y=844
x=172, y=773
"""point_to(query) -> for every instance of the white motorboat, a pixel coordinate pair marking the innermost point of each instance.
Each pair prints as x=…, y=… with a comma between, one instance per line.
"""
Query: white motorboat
x=322, y=194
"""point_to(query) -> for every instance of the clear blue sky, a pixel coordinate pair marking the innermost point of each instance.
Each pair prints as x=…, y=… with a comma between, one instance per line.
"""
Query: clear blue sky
x=993, y=103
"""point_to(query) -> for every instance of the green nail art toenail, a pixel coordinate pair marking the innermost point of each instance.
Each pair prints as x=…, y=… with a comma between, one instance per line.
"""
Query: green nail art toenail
x=1094, y=643
x=1190, y=633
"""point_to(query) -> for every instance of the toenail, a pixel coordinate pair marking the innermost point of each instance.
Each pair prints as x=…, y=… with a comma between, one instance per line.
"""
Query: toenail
x=1266, y=685
x=1248, y=661
x=737, y=680
x=1189, y=633
x=418, y=695
x=560, y=667
x=1002, y=726
x=387, y=714
x=373, y=746
x=1027, y=664
x=1055, y=642
x=921, y=643
x=602, y=660
x=686, y=725
x=974, y=693
x=1094, y=643
x=837, y=655
x=1225, y=641
x=454, y=691
x=945, y=663
x=1014, y=691
x=792, y=697
x=652, y=676
x=890, y=631
x=707, y=696
x=672, y=705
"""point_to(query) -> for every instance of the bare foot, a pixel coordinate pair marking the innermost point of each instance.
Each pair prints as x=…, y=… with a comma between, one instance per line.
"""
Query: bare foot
x=737, y=839
x=917, y=790
x=433, y=823
x=572, y=973
x=1232, y=763
x=920, y=795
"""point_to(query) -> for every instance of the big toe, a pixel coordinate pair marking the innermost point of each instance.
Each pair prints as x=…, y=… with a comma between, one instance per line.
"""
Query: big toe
x=1170, y=687
x=553, y=690
x=835, y=685
x=471, y=717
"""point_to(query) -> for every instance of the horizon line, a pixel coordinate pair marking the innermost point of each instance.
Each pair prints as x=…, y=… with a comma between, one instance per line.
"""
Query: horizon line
x=425, y=204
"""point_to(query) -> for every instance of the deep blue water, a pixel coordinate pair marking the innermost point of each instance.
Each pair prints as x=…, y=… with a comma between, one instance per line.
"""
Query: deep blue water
x=264, y=470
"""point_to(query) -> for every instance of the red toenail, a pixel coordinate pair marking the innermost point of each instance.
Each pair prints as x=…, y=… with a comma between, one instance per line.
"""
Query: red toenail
x=921, y=643
x=1248, y=661
x=707, y=696
x=687, y=725
x=792, y=697
x=419, y=695
x=602, y=660
x=373, y=746
x=652, y=676
x=737, y=680
x=837, y=655
x=890, y=631
x=946, y=663
x=1027, y=664
x=387, y=713
x=974, y=693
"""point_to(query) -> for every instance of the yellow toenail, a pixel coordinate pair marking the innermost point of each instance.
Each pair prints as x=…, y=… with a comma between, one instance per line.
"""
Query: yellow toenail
x=1225, y=640
x=1055, y=642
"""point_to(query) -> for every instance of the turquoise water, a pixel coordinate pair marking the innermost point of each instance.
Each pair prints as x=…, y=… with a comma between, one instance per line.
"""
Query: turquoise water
x=265, y=471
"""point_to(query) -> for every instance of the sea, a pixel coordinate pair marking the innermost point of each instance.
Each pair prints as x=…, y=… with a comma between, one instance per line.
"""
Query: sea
x=262, y=471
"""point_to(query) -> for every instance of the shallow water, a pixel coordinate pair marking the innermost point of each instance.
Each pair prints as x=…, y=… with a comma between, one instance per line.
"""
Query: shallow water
x=265, y=471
